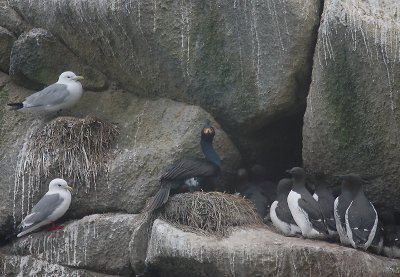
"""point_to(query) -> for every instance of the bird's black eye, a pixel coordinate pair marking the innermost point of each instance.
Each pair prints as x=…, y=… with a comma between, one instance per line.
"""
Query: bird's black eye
x=59, y=185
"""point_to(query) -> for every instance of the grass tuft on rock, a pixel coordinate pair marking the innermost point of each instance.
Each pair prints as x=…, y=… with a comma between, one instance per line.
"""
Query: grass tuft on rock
x=210, y=213
x=74, y=148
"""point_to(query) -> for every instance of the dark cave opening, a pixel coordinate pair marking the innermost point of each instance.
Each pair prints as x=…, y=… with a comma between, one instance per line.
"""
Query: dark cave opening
x=277, y=146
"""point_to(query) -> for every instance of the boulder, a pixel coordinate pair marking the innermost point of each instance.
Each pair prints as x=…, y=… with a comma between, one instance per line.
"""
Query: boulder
x=139, y=243
x=96, y=242
x=351, y=120
x=11, y=265
x=38, y=58
x=6, y=41
x=152, y=134
x=246, y=62
x=10, y=19
x=257, y=252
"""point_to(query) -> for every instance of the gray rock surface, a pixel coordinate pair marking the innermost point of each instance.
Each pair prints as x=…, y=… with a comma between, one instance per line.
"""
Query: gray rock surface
x=351, y=122
x=10, y=19
x=96, y=242
x=38, y=58
x=139, y=243
x=246, y=62
x=257, y=252
x=6, y=41
x=153, y=133
x=11, y=265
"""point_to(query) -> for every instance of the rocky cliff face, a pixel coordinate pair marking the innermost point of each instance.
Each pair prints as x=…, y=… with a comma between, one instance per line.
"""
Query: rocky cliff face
x=156, y=70
x=239, y=60
x=247, y=63
x=352, y=108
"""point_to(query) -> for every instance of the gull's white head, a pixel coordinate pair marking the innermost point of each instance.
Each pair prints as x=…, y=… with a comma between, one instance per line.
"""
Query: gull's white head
x=58, y=184
x=68, y=76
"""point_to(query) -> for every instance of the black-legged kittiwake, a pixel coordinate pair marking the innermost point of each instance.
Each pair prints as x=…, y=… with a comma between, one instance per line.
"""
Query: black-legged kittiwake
x=51, y=207
x=61, y=95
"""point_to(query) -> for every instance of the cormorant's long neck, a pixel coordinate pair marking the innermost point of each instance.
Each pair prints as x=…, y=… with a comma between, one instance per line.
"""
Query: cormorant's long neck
x=209, y=152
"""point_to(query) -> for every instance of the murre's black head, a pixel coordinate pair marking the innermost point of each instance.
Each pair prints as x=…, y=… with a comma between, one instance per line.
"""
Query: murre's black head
x=242, y=174
x=284, y=186
x=297, y=172
x=208, y=133
x=352, y=182
x=258, y=171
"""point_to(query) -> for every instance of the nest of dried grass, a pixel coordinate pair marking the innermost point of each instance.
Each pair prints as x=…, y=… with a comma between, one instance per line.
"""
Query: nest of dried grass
x=210, y=213
x=74, y=148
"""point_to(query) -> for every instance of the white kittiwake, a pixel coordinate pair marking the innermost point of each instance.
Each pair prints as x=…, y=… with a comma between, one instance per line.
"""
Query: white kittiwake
x=61, y=95
x=51, y=207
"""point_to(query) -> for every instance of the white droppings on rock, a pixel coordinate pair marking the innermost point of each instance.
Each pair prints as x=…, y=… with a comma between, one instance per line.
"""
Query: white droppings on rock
x=252, y=252
x=96, y=241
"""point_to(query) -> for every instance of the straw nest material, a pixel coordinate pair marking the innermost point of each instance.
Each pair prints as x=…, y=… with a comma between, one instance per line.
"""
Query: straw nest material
x=210, y=213
x=74, y=148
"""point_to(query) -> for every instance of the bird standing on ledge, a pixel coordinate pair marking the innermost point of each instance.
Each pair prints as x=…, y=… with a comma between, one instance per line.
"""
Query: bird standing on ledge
x=361, y=217
x=53, y=205
x=304, y=208
x=342, y=202
x=190, y=173
x=280, y=213
x=325, y=201
x=61, y=95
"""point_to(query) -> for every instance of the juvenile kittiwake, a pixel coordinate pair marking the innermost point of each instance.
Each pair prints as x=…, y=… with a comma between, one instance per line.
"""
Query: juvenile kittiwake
x=51, y=207
x=61, y=95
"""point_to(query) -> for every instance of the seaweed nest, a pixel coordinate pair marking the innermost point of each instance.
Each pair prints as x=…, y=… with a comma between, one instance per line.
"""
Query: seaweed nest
x=210, y=213
x=72, y=147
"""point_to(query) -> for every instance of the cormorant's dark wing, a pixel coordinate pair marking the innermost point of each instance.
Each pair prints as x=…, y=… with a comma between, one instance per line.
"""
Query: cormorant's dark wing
x=283, y=212
x=361, y=218
x=188, y=168
x=160, y=198
x=310, y=206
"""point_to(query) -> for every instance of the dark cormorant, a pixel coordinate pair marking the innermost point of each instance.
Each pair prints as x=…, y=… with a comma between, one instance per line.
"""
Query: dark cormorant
x=190, y=174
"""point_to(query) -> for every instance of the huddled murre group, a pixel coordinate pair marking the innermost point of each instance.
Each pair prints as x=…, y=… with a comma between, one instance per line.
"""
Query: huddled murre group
x=295, y=211
x=350, y=218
